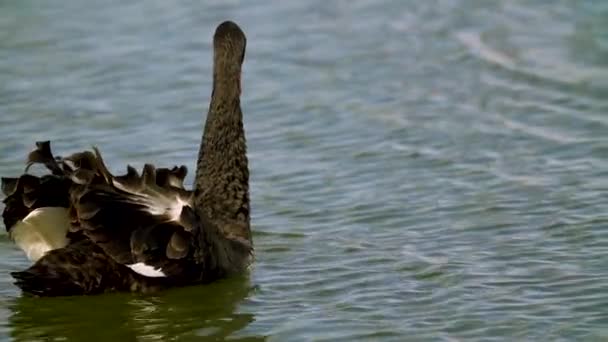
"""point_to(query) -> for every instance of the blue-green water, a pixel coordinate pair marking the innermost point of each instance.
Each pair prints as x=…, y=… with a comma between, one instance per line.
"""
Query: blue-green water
x=421, y=170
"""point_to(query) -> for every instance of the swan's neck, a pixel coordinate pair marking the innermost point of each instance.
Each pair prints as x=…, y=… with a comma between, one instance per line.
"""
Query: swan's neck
x=222, y=174
x=226, y=84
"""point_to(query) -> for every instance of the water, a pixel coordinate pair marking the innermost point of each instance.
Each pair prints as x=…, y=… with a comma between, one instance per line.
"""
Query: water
x=421, y=170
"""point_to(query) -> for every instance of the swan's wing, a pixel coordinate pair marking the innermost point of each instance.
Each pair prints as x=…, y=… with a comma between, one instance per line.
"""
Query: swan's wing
x=145, y=222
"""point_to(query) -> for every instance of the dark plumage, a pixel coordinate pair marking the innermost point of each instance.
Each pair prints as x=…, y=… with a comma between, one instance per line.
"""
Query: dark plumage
x=89, y=231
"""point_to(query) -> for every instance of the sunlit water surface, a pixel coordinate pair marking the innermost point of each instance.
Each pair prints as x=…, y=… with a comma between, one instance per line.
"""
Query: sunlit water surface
x=420, y=170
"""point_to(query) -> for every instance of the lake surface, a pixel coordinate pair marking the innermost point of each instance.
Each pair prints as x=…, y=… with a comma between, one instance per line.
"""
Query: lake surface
x=420, y=170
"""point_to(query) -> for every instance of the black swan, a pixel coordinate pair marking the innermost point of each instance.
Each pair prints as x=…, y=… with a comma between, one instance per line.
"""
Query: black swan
x=90, y=232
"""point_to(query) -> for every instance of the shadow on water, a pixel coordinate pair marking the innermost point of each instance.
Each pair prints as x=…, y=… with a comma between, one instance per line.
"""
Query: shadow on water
x=194, y=313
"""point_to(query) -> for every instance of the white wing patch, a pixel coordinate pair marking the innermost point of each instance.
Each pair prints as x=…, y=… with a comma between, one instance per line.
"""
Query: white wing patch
x=174, y=208
x=147, y=270
x=156, y=202
x=43, y=230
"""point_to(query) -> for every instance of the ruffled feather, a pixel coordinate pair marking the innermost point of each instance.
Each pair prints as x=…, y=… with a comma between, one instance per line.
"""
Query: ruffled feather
x=133, y=218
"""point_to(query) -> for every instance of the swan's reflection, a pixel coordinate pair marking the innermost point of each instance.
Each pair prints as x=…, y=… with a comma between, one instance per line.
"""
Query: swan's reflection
x=194, y=313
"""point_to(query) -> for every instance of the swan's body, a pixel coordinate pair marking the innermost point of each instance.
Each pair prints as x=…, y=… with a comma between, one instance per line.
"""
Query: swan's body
x=88, y=231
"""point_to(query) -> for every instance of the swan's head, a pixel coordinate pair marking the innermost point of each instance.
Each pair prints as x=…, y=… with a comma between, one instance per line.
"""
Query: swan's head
x=229, y=44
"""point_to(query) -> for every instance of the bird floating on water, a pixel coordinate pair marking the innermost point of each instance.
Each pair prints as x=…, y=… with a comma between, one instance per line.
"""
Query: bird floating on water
x=88, y=231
